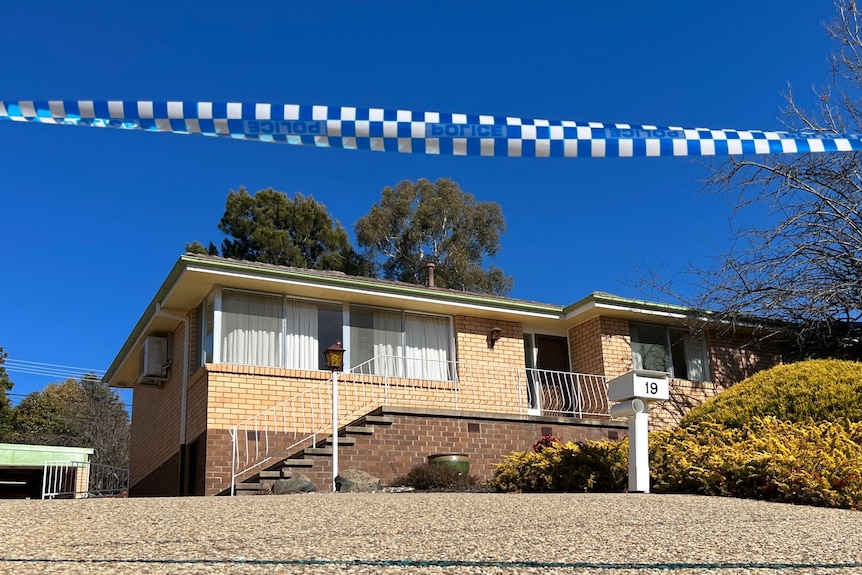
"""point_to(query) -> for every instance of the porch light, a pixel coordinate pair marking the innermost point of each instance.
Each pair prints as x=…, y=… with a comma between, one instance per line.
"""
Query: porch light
x=334, y=356
x=493, y=335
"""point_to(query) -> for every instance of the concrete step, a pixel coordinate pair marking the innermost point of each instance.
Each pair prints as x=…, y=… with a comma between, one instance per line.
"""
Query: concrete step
x=250, y=488
x=345, y=441
x=357, y=429
x=271, y=474
x=379, y=419
x=317, y=451
x=296, y=462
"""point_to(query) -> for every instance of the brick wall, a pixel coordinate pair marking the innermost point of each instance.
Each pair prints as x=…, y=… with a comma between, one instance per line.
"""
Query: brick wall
x=585, y=347
x=471, y=342
x=490, y=378
x=734, y=357
x=392, y=450
x=155, y=428
x=601, y=346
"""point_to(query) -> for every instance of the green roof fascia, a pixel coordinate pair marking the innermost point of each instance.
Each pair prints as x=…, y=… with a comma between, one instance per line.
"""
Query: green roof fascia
x=347, y=281
x=608, y=299
x=25, y=455
x=379, y=286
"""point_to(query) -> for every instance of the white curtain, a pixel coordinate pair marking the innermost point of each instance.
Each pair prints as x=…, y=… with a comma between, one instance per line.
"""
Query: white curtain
x=251, y=329
x=302, y=348
x=695, y=365
x=388, y=347
x=427, y=351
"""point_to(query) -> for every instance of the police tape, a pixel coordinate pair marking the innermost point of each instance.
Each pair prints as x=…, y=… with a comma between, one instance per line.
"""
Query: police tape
x=406, y=131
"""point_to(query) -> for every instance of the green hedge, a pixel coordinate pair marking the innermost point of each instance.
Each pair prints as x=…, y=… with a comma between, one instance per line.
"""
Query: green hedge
x=813, y=463
x=791, y=434
x=819, y=390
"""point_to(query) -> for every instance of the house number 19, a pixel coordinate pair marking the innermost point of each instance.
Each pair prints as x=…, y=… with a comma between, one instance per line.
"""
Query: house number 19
x=651, y=387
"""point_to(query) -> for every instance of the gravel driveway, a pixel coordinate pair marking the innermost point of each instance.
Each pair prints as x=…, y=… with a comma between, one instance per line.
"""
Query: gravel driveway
x=404, y=533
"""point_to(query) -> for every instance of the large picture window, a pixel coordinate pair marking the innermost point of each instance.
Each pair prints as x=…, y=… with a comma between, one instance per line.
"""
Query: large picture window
x=275, y=331
x=400, y=344
x=675, y=351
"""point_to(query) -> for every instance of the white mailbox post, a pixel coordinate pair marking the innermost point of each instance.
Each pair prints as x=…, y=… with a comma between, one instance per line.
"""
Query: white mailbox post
x=635, y=390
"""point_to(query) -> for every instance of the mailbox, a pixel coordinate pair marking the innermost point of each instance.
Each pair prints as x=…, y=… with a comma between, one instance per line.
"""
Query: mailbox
x=634, y=391
x=640, y=383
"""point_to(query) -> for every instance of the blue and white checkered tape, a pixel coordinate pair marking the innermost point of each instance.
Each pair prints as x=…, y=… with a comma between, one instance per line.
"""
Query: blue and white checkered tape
x=411, y=132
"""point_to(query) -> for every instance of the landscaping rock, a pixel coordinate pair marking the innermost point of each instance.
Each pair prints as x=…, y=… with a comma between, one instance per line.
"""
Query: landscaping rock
x=299, y=484
x=357, y=481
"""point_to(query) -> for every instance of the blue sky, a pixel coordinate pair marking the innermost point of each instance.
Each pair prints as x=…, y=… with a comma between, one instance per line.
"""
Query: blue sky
x=93, y=220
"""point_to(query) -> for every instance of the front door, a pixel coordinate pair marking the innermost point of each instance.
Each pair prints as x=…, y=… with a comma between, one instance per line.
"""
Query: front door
x=548, y=383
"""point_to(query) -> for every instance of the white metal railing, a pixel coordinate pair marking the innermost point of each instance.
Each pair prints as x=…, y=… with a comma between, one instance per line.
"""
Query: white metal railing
x=568, y=394
x=279, y=429
x=78, y=479
x=391, y=380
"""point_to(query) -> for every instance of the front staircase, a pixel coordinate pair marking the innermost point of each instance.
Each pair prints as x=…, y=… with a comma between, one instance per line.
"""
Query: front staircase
x=314, y=461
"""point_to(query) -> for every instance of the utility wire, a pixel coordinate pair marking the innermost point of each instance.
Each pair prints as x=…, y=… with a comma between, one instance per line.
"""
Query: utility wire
x=49, y=369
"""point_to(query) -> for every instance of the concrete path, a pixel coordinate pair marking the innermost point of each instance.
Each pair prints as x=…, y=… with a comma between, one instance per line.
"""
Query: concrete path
x=408, y=533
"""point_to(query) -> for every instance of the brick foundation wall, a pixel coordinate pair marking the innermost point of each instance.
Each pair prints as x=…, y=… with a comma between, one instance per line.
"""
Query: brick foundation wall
x=394, y=450
x=415, y=434
x=163, y=481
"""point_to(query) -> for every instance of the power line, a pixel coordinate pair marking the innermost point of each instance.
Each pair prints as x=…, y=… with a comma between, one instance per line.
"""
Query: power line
x=49, y=369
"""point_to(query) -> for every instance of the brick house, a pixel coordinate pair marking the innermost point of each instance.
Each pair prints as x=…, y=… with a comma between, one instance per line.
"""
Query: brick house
x=231, y=388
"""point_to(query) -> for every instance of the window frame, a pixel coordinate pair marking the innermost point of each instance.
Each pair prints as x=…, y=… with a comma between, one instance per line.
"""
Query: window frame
x=669, y=347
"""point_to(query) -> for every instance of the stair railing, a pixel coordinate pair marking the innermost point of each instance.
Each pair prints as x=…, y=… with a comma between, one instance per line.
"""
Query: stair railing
x=410, y=382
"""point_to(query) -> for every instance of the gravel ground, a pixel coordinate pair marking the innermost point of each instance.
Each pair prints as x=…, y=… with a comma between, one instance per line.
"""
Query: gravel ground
x=447, y=533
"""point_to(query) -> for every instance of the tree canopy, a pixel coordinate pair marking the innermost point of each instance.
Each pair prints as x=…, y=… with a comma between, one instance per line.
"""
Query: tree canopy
x=800, y=263
x=81, y=413
x=271, y=228
x=5, y=403
x=419, y=222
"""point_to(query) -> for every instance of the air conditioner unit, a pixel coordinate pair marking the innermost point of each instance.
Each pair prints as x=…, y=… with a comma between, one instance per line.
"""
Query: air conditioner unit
x=154, y=361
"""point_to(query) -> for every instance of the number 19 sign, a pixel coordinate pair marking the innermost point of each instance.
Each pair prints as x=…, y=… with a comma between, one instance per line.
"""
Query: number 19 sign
x=640, y=383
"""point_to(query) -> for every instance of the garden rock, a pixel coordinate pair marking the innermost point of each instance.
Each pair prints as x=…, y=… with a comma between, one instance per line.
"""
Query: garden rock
x=357, y=481
x=299, y=484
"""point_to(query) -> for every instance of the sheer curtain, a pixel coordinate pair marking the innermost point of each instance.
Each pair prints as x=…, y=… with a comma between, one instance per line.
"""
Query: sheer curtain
x=695, y=365
x=427, y=351
x=388, y=348
x=251, y=333
x=302, y=348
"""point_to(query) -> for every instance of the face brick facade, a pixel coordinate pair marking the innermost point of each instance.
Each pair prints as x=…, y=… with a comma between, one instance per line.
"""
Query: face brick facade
x=486, y=407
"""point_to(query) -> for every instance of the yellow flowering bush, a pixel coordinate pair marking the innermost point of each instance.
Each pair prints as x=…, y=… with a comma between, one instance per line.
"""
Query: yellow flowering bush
x=810, y=463
x=822, y=390
x=594, y=466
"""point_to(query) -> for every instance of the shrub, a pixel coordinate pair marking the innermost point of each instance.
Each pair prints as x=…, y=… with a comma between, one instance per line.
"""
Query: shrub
x=819, y=390
x=436, y=477
x=593, y=466
x=802, y=463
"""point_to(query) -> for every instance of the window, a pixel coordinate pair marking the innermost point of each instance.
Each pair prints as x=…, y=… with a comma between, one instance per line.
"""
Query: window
x=251, y=329
x=400, y=344
x=675, y=351
x=275, y=331
x=205, y=330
